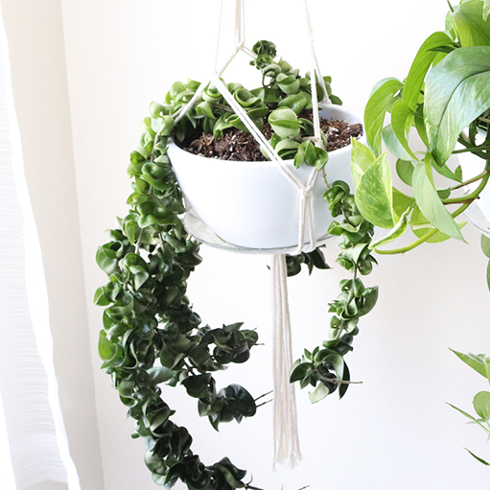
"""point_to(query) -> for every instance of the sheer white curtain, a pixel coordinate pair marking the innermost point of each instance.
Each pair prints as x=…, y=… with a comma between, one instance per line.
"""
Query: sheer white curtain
x=33, y=443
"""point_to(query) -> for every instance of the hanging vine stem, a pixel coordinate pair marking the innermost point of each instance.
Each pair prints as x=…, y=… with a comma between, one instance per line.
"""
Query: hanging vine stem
x=324, y=367
x=470, y=181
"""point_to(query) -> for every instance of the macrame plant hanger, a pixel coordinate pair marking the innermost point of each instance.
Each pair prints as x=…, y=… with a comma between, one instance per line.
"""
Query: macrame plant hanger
x=286, y=439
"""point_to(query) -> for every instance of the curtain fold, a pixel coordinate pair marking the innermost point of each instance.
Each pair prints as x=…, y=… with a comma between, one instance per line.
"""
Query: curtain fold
x=38, y=445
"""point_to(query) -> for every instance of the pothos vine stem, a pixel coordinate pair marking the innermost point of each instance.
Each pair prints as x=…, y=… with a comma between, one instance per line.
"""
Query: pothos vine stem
x=470, y=181
x=467, y=201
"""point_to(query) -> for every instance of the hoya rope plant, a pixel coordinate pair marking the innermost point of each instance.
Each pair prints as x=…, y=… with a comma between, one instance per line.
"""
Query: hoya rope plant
x=152, y=339
x=445, y=103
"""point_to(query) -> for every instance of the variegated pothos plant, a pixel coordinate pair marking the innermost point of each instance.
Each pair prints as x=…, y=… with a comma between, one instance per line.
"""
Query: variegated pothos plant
x=444, y=100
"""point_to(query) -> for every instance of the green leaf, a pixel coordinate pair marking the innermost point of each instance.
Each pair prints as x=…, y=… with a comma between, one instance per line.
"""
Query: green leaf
x=478, y=363
x=393, y=144
x=485, y=245
x=344, y=386
x=159, y=374
x=488, y=275
x=106, y=348
x=420, y=227
x=320, y=392
x=199, y=386
x=463, y=412
x=327, y=356
x=401, y=202
x=420, y=66
x=457, y=91
x=468, y=21
x=379, y=102
x=445, y=171
x=284, y=122
x=430, y=204
x=397, y=231
x=370, y=297
x=300, y=370
x=361, y=158
x=481, y=402
x=100, y=298
x=478, y=458
x=296, y=102
x=404, y=169
x=107, y=259
x=155, y=109
x=310, y=155
x=374, y=196
x=288, y=84
x=420, y=124
x=401, y=118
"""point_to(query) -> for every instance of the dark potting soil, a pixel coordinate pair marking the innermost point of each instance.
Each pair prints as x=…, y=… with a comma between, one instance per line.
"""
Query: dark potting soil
x=238, y=145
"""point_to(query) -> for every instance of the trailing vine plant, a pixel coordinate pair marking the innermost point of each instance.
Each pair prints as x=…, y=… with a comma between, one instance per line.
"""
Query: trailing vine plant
x=324, y=368
x=151, y=334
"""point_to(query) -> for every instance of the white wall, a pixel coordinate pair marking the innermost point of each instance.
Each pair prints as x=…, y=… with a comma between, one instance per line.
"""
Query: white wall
x=394, y=430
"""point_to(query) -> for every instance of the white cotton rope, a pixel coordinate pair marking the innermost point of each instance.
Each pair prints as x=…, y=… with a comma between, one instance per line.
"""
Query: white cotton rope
x=218, y=35
x=309, y=27
x=286, y=439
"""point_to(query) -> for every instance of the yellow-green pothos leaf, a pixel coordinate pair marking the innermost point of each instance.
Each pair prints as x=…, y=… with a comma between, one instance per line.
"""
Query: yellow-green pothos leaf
x=401, y=119
x=401, y=202
x=379, y=102
x=404, y=169
x=485, y=245
x=361, y=158
x=463, y=412
x=481, y=402
x=471, y=26
x=478, y=362
x=457, y=90
x=374, y=195
x=430, y=204
x=421, y=226
x=392, y=143
x=478, y=458
x=397, y=231
x=488, y=275
x=445, y=171
x=420, y=66
x=486, y=7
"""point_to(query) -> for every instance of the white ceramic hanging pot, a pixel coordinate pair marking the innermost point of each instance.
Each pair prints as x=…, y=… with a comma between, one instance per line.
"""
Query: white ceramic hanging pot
x=479, y=212
x=252, y=204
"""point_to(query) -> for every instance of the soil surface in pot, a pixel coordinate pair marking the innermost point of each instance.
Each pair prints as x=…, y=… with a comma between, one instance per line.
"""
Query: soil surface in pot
x=238, y=145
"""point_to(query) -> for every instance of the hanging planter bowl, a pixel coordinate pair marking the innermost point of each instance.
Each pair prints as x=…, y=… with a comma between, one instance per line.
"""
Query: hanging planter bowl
x=252, y=204
x=479, y=212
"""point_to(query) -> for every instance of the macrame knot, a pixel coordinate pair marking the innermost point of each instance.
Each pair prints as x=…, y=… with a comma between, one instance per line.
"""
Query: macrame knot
x=306, y=192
